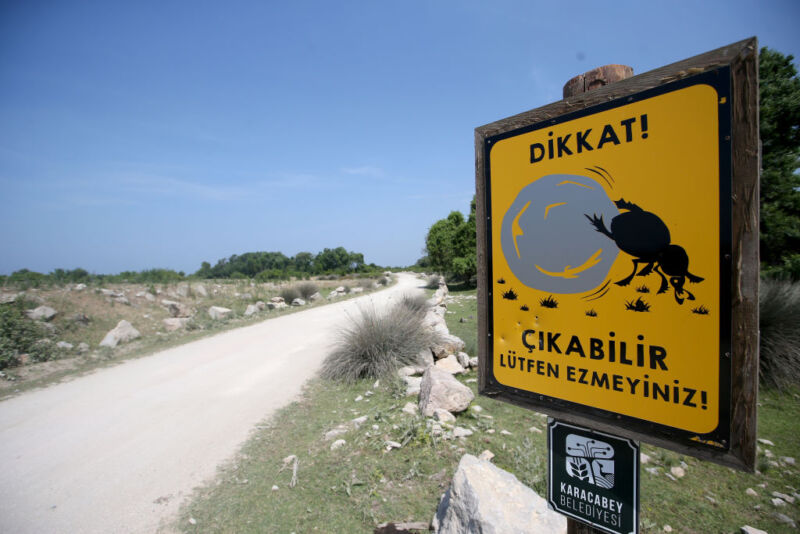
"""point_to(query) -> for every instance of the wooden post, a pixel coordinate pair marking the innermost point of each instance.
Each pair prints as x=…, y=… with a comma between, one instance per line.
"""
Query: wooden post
x=593, y=79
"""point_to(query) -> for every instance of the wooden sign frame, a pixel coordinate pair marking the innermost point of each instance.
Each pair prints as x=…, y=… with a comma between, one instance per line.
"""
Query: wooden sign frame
x=740, y=62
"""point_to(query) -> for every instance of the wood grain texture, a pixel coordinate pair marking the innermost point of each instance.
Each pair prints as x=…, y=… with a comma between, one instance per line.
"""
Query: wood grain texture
x=742, y=57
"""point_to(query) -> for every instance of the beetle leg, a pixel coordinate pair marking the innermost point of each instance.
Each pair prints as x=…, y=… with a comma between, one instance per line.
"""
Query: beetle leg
x=664, y=283
x=647, y=269
x=627, y=280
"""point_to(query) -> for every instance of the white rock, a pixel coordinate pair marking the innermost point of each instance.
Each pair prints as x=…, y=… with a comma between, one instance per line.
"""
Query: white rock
x=315, y=297
x=406, y=370
x=275, y=488
x=425, y=358
x=276, y=305
x=218, y=312
x=751, y=492
x=83, y=347
x=788, y=460
x=747, y=529
x=359, y=398
x=337, y=444
x=449, y=344
x=356, y=290
x=506, y=433
x=358, y=421
x=473, y=362
x=199, y=290
x=251, y=310
x=444, y=416
x=175, y=323
x=476, y=408
x=64, y=345
x=392, y=445
x=667, y=528
x=783, y=496
x=277, y=300
x=440, y=390
x=463, y=359
x=778, y=502
x=485, y=499
x=79, y=287
x=471, y=380
x=486, y=456
x=298, y=302
x=451, y=365
x=765, y=442
x=678, y=472
x=460, y=432
x=335, y=433
x=652, y=470
x=644, y=458
x=261, y=305
x=535, y=430
x=410, y=408
x=42, y=313
x=124, y=331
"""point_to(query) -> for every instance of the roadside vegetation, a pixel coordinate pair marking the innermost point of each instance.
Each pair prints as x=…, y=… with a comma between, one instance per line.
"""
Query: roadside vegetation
x=36, y=352
x=361, y=484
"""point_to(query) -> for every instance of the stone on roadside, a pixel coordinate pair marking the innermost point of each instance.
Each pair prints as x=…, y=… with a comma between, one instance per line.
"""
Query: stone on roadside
x=199, y=290
x=461, y=432
x=176, y=309
x=338, y=444
x=175, y=323
x=486, y=456
x=276, y=305
x=83, y=347
x=315, y=297
x=260, y=305
x=448, y=344
x=251, y=310
x=444, y=416
x=747, y=529
x=218, y=312
x=356, y=289
x=277, y=300
x=124, y=331
x=41, y=313
x=451, y=365
x=64, y=345
x=484, y=498
x=298, y=302
x=439, y=389
x=677, y=471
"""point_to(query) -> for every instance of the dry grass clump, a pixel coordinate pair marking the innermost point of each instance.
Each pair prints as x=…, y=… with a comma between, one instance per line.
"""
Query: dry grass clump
x=307, y=289
x=375, y=344
x=434, y=281
x=415, y=302
x=779, y=322
x=289, y=294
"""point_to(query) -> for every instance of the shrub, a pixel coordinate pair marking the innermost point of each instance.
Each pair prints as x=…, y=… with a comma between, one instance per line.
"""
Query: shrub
x=376, y=343
x=289, y=294
x=384, y=281
x=307, y=289
x=366, y=283
x=779, y=322
x=434, y=281
x=415, y=302
x=19, y=335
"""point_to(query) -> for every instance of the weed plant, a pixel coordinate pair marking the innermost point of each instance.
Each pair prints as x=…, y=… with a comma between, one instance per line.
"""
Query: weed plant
x=415, y=302
x=306, y=289
x=779, y=308
x=375, y=344
x=20, y=335
x=289, y=294
x=434, y=281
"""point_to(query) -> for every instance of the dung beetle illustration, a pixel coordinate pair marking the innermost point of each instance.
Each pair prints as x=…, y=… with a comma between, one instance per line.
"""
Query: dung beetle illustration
x=644, y=236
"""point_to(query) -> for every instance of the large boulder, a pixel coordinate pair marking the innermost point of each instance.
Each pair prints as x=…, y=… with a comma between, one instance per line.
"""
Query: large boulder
x=218, y=312
x=124, y=331
x=451, y=365
x=42, y=313
x=176, y=309
x=484, y=498
x=446, y=345
x=440, y=390
x=199, y=290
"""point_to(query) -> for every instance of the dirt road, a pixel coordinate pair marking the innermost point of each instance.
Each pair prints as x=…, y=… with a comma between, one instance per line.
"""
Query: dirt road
x=118, y=450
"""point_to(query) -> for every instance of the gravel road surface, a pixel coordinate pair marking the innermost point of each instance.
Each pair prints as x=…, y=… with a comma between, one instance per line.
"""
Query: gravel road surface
x=119, y=449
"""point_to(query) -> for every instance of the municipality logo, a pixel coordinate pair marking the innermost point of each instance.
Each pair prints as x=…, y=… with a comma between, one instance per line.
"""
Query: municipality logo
x=590, y=460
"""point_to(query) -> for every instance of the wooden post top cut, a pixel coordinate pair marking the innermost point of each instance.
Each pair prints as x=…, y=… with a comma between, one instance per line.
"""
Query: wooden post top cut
x=596, y=78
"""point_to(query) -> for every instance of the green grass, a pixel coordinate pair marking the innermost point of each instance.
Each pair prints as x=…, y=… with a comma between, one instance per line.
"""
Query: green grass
x=360, y=485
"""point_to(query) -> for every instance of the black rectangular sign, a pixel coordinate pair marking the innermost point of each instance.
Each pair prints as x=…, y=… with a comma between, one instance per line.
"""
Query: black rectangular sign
x=593, y=477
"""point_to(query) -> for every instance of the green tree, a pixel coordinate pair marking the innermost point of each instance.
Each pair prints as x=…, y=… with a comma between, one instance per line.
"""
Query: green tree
x=450, y=245
x=779, y=88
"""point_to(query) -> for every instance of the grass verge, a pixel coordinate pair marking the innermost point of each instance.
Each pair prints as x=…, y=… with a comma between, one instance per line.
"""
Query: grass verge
x=361, y=484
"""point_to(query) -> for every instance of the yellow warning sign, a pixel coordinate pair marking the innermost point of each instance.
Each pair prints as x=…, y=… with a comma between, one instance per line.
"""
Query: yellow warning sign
x=605, y=259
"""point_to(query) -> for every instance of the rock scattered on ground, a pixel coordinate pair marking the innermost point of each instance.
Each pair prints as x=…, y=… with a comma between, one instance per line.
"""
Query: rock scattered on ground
x=484, y=498
x=123, y=332
x=338, y=444
x=439, y=389
x=41, y=313
x=218, y=312
x=451, y=365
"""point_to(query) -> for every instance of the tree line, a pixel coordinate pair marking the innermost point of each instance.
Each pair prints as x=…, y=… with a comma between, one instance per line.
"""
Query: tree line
x=261, y=266
x=450, y=245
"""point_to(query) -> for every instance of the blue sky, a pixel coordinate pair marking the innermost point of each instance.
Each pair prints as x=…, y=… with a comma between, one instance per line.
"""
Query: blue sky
x=162, y=134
